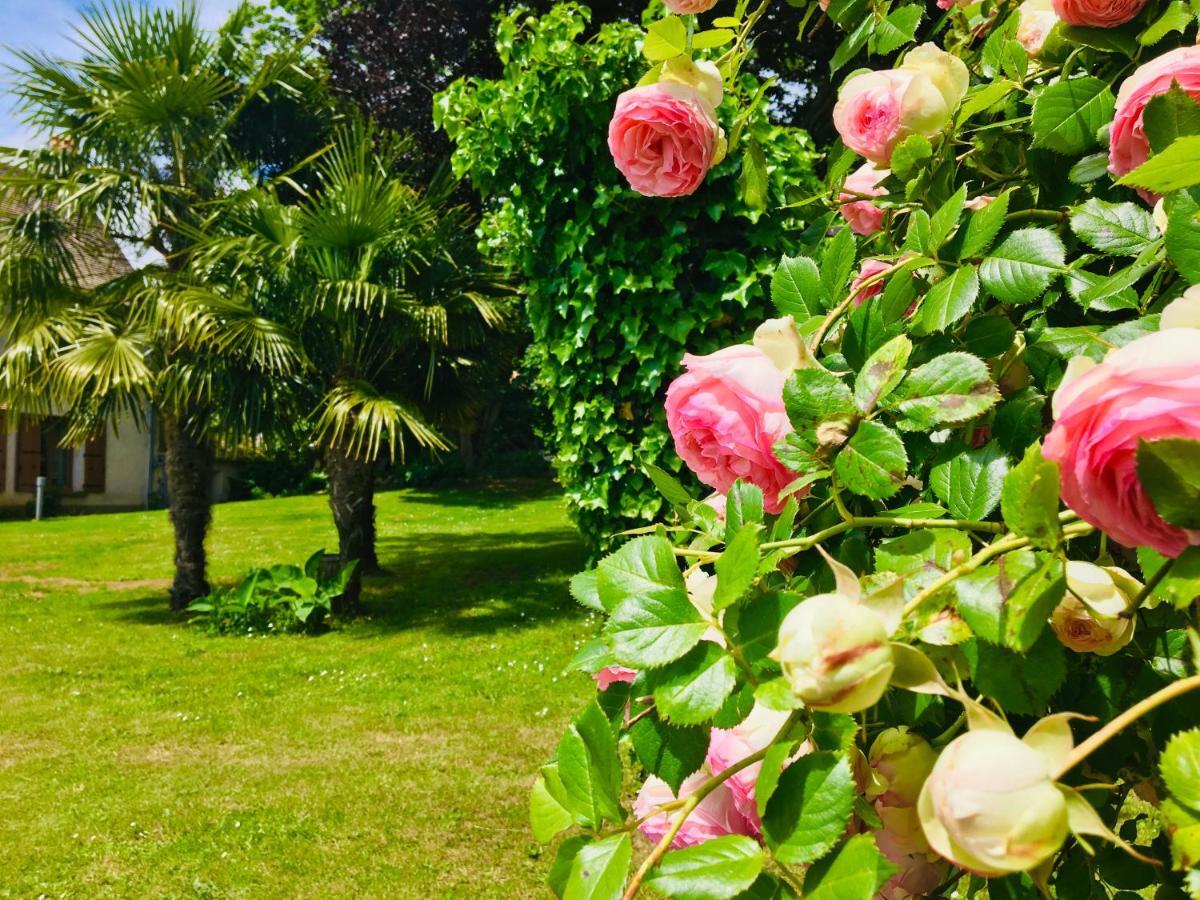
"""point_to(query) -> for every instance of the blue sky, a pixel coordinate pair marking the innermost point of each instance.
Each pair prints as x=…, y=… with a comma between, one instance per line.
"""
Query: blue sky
x=47, y=25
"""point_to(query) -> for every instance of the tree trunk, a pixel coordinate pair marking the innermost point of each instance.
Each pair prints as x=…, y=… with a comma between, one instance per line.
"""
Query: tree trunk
x=189, y=477
x=352, y=500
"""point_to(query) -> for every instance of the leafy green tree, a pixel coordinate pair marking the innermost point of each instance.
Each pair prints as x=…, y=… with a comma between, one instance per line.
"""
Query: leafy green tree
x=142, y=131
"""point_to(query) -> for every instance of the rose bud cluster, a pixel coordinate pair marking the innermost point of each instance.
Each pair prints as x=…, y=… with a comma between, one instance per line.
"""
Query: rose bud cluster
x=1146, y=390
x=877, y=110
x=1096, y=615
x=865, y=217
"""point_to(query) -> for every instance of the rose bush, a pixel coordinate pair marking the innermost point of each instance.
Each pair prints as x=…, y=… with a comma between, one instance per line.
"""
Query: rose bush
x=958, y=479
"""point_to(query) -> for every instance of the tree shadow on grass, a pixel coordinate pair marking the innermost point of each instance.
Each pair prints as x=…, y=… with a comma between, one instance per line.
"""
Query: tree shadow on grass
x=473, y=583
x=143, y=609
x=484, y=494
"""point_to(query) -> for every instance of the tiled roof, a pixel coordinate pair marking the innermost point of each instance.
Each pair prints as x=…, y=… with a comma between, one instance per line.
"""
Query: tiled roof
x=98, y=258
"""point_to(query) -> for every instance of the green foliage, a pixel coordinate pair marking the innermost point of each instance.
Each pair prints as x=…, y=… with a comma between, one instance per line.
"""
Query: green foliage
x=616, y=289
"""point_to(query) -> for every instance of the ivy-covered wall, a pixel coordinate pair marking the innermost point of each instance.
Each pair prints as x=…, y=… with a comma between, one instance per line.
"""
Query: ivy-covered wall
x=617, y=288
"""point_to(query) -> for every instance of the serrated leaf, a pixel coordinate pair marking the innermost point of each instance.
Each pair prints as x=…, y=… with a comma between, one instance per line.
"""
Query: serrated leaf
x=717, y=869
x=1183, y=237
x=642, y=568
x=736, y=567
x=589, y=768
x=1022, y=683
x=813, y=396
x=1108, y=39
x=753, y=180
x=910, y=155
x=897, y=28
x=873, y=463
x=671, y=752
x=852, y=43
x=950, y=389
x=856, y=872
x=1029, y=500
x=1067, y=114
x=881, y=373
x=971, y=482
x=1181, y=586
x=547, y=817
x=600, y=869
x=983, y=594
x=1031, y=602
x=984, y=97
x=989, y=336
x=1173, y=169
x=1121, y=228
x=1170, y=115
x=1023, y=266
x=1090, y=168
x=984, y=225
x=654, y=628
x=1176, y=17
x=943, y=222
x=796, y=288
x=1180, y=767
x=949, y=300
x=665, y=38
x=693, y=689
x=809, y=809
x=714, y=37
x=1169, y=471
x=837, y=262
x=584, y=588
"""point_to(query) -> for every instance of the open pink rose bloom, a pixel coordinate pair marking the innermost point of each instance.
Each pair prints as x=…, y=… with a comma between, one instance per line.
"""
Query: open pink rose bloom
x=664, y=138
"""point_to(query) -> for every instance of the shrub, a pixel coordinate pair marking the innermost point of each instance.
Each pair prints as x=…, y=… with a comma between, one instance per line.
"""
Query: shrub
x=616, y=290
x=282, y=598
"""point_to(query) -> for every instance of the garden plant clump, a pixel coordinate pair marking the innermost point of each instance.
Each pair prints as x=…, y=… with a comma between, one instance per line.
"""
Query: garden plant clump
x=928, y=629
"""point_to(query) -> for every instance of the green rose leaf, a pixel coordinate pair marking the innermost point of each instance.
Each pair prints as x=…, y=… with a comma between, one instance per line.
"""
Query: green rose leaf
x=1021, y=683
x=1169, y=471
x=547, y=817
x=1031, y=602
x=668, y=485
x=949, y=300
x=743, y=506
x=1182, y=583
x=896, y=29
x=856, y=871
x=693, y=689
x=1124, y=229
x=1023, y=266
x=672, y=752
x=984, y=225
x=1183, y=236
x=590, y=769
x=989, y=335
x=1176, y=17
x=949, y=390
x=796, y=288
x=1181, y=768
x=599, y=870
x=1029, y=500
x=715, y=870
x=753, y=180
x=1183, y=824
x=813, y=396
x=837, y=262
x=943, y=223
x=970, y=484
x=1173, y=169
x=910, y=156
x=873, y=463
x=1170, y=115
x=657, y=626
x=881, y=373
x=736, y=567
x=809, y=808
x=1067, y=114
x=644, y=568
x=665, y=38
x=983, y=595
x=585, y=588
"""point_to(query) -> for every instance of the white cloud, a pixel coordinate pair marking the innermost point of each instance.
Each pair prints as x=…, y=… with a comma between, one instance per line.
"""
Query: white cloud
x=46, y=26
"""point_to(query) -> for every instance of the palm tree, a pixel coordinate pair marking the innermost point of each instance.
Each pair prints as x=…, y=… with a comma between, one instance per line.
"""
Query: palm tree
x=393, y=305
x=142, y=133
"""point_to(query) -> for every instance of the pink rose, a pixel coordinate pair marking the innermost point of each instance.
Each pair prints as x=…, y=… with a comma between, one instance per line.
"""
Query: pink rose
x=689, y=7
x=717, y=503
x=1145, y=390
x=664, y=138
x=865, y=217
x=1098, y=13
x=870, y=268
x=610, y=675
x=1128, y=145
x=726, y=414
x=729, y=746
x=1036, y=19
x=716, y=816
x=903, y=842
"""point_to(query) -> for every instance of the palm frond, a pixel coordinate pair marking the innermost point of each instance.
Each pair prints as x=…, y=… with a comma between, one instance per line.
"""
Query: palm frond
x=356, y=416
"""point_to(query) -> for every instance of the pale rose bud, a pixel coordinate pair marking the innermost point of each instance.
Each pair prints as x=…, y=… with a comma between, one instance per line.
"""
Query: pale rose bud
x=983, y=201
x=1184, y=311
x=610, y=675
x=716, y=816
x=1036, y=20
x=1081, y=630
x=902, y=760
x=865, y=217
x=991, y=806
x=1107, y=590
x=1160, y=216
x=1098, y=13
x=835, y=654
x=689, y=7
x=903, y=842
x=700, y=74
x=870, y=268
x=948, y=73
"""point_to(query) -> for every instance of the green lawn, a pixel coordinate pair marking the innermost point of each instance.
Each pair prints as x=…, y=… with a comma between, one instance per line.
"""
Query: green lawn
x=140, y=757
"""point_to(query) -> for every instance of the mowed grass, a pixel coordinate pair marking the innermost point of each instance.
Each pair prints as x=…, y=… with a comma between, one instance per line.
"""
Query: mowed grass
x=389, y=758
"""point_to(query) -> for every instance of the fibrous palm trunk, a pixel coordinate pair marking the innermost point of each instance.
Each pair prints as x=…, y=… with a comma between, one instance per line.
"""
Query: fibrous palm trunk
x=189, y=478
x=352, y=500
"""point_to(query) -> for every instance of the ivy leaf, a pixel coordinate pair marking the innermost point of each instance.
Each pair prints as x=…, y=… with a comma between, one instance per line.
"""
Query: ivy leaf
x=984, y=225
x=1029, y=499
x=881, y=373
x=600, y=869
x=1031, y=602
x=1181, y=585
x=672, y=752
x=873, y=463
x=642, y=568
x=736, y=567
x=693, y=689
x=1024, y=264
x=1181, y=768
x=856, y=872
x=1169, y=471
x=950, y=389
x=1067, y=114
x=715, y=870
x=970, y=484
x=1171, y=170
x=813, y=396
x=1121, y=228
x=666, y=38
x=809, y=808
x=1170, y=115
x=796, y=289
x=949, y=300
x=590, y=769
